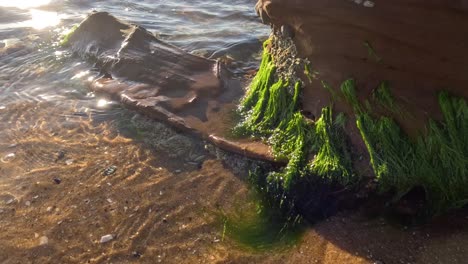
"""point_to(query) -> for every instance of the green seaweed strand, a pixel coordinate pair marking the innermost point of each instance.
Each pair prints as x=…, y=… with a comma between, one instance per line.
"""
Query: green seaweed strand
x=270, y=110
x=332, y=160
x=437, y=161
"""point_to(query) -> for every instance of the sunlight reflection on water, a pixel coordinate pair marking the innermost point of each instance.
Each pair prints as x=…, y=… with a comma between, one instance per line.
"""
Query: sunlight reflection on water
x=102, y=103
x=42, y=19
x=39, y=20
x=23, y=4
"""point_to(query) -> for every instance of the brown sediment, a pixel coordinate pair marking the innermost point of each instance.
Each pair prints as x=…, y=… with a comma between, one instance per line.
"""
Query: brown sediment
x=158, y=215
x=191, y=93
x=418, y=46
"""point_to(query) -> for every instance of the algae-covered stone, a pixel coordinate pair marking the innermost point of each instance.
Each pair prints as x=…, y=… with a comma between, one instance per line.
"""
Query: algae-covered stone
x=401, y=118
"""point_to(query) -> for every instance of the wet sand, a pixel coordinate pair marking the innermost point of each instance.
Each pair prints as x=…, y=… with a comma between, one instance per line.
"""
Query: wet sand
x=157, y=209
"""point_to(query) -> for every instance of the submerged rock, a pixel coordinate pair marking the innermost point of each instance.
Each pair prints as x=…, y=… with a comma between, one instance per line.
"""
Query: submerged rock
x=136, y=254
x=191, y=93
x=43, y=240
x=106, y=238
x=57, y=180
x=110, y=170
x=7, y=198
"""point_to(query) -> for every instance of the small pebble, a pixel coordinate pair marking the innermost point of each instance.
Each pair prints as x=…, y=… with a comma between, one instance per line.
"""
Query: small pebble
x=110, y=170
x=369, y=4
x=136, y=254
x=106, y=238
x=27, y=203
x=8, y=157
x=287, y=31
x=69, y=161
x=49, y=209
x=60, y=155
x=199, y=158
x=43, y=240
x=57, y=180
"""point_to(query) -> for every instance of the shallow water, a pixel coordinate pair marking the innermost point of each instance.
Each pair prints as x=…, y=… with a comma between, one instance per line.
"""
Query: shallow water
x=68, y=153
x=53, y=129
x=30, y=31
x=42, y=84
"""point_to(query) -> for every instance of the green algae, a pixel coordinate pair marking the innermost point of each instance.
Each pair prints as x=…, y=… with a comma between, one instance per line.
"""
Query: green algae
x=436, y=161
x=348, y=88
x=333, y=159
x=290, y=141
x=270, y=110
x=260, y=230
x=329, y=89
x=262, y=80
x=371, y=52
x=383, y=96
x=307, y=72
x=258, y=225
x=317, y=151
x=66, y=36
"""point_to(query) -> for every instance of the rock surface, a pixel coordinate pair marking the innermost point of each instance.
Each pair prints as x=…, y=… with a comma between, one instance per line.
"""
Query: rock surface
x=192, y=93
x=418, y=46
x=106, y=238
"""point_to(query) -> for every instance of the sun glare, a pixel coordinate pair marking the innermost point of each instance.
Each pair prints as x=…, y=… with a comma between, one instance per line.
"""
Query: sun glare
x=23, y=3
x=102, y=103
x=42, y=19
